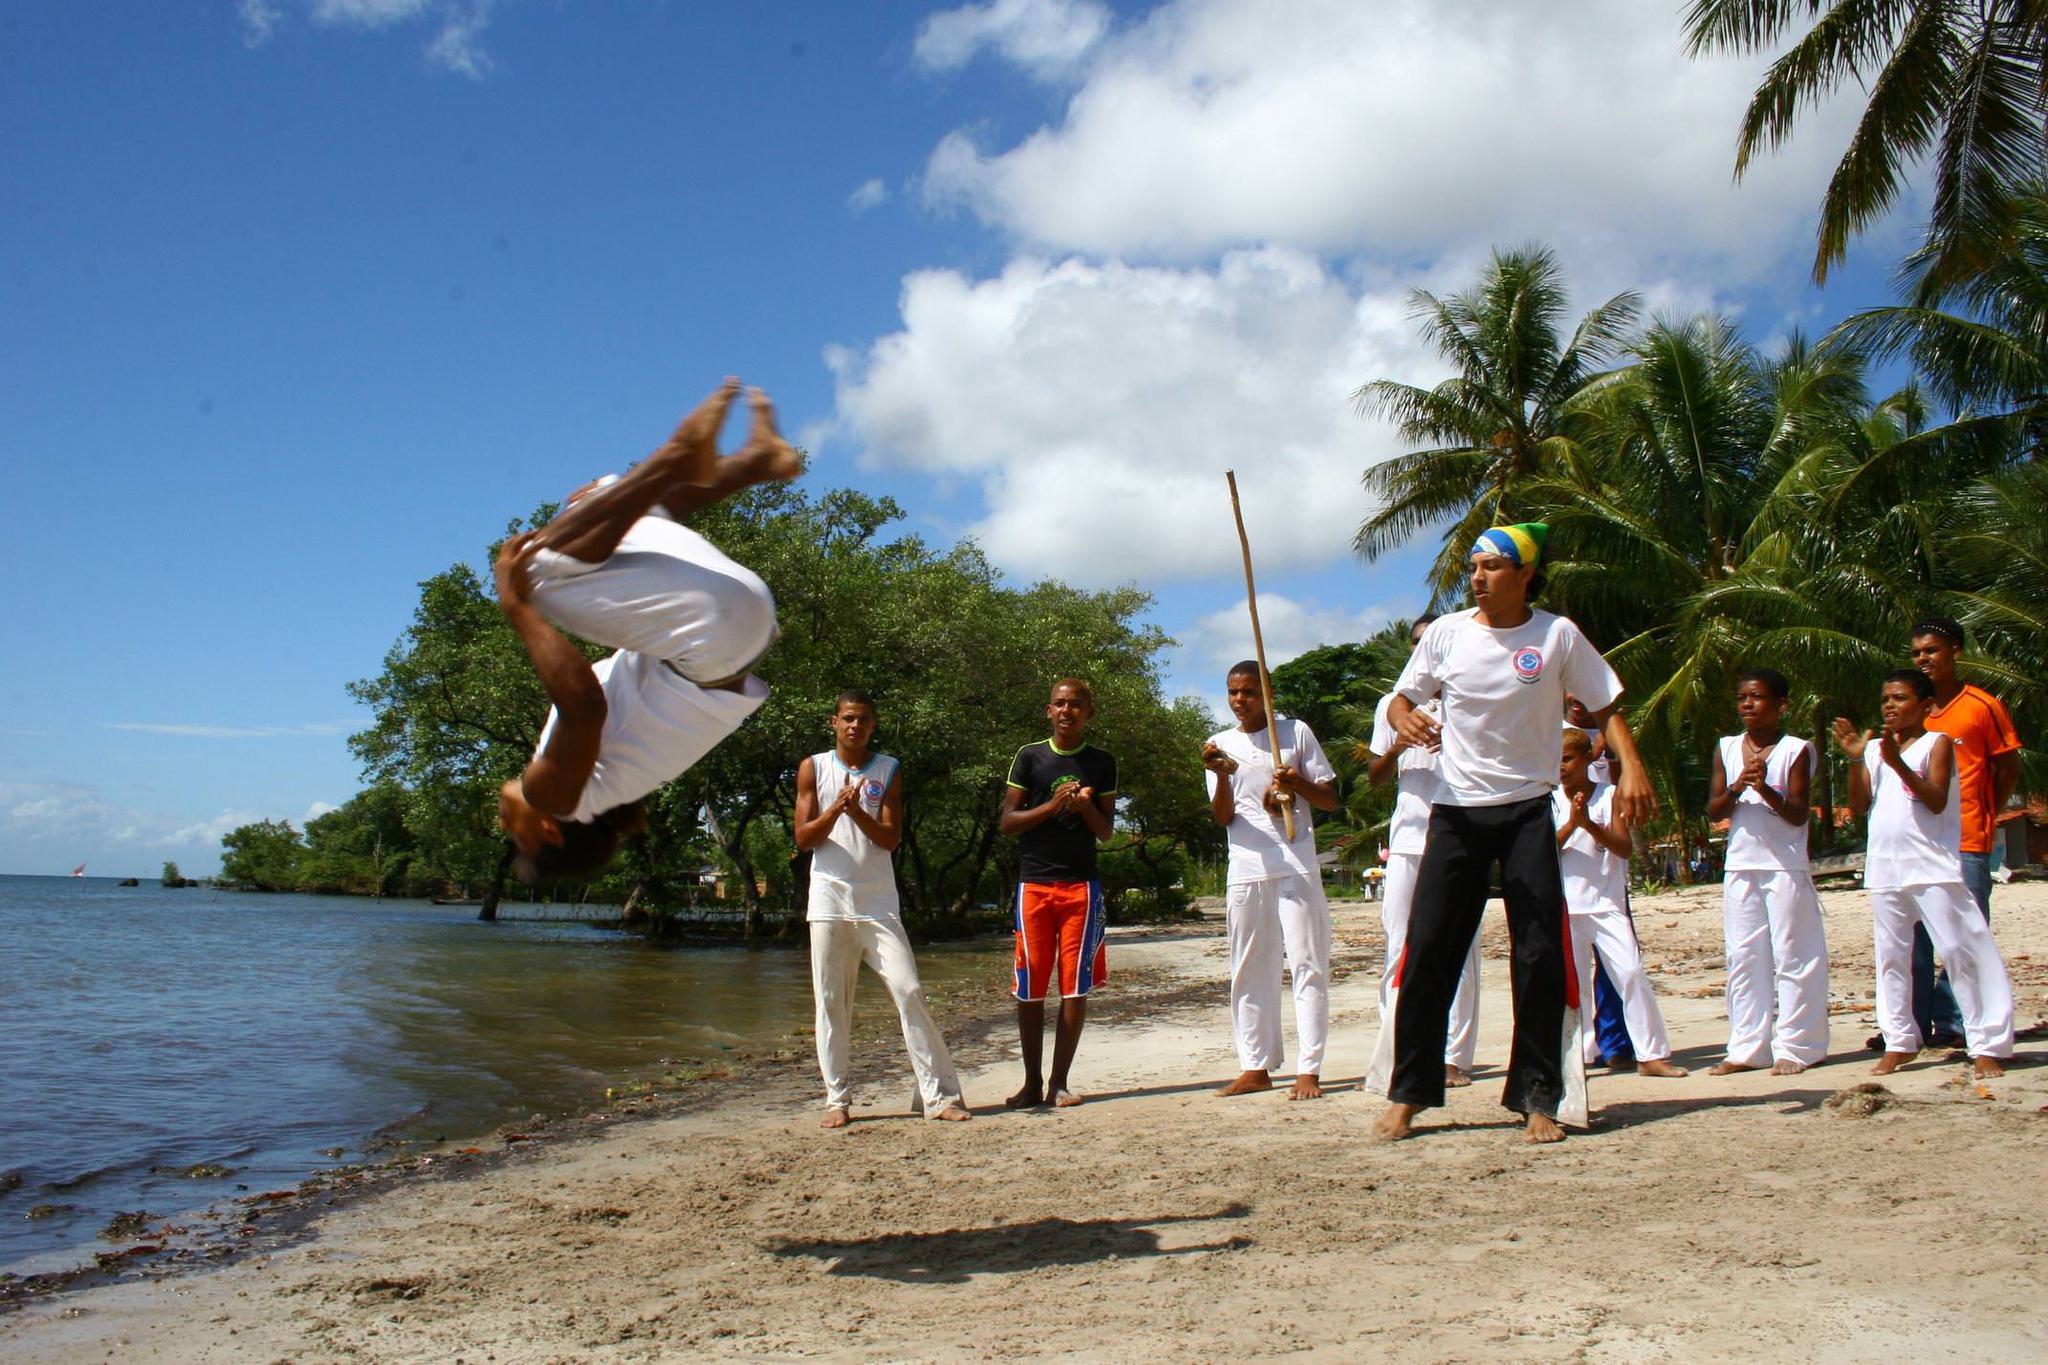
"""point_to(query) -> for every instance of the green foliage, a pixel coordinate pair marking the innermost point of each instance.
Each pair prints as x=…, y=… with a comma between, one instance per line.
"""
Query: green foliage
x=172, y=876
x=262, y=857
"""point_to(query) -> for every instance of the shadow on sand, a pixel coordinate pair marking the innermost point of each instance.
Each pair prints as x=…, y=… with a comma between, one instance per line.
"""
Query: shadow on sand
x=952, y=1256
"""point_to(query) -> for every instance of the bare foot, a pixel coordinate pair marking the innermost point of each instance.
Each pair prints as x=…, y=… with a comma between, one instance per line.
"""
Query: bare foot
x=1542, y=1128
x=1657, y=1066
x=1787, y=1067
x=1892, y=1061
x=690, y=454
x=1620, y=1066
x=1030, y=1097
x=777, y=459
x=1248, y=1082
x=1063, y=1098
x=1395, y=1122
x=1988, y=1068
x=836, y=1118
x=1730, y=1068
x=952, y=1113
x=1307, y=1086
x=1454, y=1079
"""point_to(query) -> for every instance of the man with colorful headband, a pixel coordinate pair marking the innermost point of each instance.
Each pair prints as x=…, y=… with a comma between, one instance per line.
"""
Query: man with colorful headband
x=1500, y=672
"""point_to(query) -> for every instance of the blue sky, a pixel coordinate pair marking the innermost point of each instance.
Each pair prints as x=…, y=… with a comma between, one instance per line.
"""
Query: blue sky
x=304, y=299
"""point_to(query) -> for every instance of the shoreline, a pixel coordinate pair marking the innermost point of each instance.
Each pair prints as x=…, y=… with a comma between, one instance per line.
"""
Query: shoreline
x=1737, y=1215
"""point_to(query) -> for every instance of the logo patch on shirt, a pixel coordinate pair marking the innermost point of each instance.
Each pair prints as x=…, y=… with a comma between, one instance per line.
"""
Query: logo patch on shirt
x=871, y=792
x=1528, y=664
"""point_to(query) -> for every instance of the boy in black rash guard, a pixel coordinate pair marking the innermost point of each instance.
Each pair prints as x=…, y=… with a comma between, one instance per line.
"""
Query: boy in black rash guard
x=1058, y=805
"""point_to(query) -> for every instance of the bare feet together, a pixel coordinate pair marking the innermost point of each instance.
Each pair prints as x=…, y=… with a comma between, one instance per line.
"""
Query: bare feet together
x=1890, y=1062
x=1787, y=1067
x=1307, y=1086
x=1657, y=1066
x=1455, y=1079
x=1988, y=1068
x=1395, y=1122
x=1247, y=1083
x=691, y=451
x=836, y=1117
x=1542, y=1128
x=1062, y=1098
x=1030, y=1097
x=1730, y=1068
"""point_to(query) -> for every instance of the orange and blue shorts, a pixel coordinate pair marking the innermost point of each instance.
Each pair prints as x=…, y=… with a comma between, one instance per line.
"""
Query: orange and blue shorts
x=1060, y=924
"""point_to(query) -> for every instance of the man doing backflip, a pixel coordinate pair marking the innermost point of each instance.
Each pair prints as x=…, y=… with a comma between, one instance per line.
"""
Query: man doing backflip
x=688, y=624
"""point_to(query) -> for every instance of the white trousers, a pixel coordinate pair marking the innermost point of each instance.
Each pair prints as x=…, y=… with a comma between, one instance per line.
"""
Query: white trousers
x=1266, y=919
x=1461, y=1040
x=1976, y=972
x=1611, y=933
x=838, y=947
x=1777, y=951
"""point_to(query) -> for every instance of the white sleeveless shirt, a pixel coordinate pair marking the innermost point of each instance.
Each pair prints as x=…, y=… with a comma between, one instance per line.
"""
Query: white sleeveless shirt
x=851, y=878
x=1911, y=845
x=1759, y=839
x=1594, y=878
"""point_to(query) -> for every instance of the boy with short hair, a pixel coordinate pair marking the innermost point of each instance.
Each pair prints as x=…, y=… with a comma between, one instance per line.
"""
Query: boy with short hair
x=849, y=815
x=1412, y=767
x=1059, y=803
x=1912, y=867
x=1593, y=848
x=1769, y=911
x=1276, y=900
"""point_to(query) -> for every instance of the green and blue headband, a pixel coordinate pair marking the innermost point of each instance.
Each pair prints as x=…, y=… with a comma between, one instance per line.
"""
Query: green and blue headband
x=1522, y=543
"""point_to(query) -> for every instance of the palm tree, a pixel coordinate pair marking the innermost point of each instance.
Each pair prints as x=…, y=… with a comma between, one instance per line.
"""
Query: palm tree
x=1963, y=80
x=1497, y=420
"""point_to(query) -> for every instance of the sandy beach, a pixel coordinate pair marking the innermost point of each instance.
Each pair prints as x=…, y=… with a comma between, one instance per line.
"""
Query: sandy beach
x=1744, y=1216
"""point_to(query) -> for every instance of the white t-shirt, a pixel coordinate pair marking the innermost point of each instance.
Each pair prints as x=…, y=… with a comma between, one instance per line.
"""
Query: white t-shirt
x=852, y=878
x=1595, y=879
x=1416, y=779
x=1259, y=850
x=1911, y=845
x=657, y=725
x=1503, y=695
x=1759, y=840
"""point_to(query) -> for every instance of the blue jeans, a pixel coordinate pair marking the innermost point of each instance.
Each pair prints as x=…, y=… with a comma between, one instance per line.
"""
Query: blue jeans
x=1934, y=1004
x=1610, y=1028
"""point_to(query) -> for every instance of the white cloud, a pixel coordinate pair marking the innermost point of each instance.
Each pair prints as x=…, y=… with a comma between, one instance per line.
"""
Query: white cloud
x=1099, y=404
x=456, y=43
x=1048, y=38
x=870, y=194
x=207, y=834
x=1403, y=131
x=315, y=811
x=226, y=731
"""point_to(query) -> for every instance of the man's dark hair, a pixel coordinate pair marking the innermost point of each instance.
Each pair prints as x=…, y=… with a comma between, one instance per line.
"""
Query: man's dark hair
x=1922, y=685
x=1079, y=685
x=859, y=696
x=1243, y=668
x=1773, y=681
x=1421, y=621
x=1538, y=581
x=1947, y=627
x=587, y=847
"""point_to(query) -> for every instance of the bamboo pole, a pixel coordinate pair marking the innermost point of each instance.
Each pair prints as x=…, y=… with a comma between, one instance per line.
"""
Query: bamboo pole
x=1251, y=597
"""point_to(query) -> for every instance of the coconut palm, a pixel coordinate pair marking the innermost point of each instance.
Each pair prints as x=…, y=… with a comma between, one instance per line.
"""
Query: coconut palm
x=1965, y=81
x=1496, y=420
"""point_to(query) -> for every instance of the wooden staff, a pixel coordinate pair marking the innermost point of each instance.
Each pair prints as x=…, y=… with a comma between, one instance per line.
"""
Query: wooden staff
x=1251, y=597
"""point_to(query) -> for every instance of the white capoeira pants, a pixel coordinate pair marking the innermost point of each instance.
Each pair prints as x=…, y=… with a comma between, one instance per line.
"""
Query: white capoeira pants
x=666, y=592
x=1777, y=950
x=1461, y=1040
x=1976, y=972
x=1610, y=932
x=838, y=947
x=1268, y=919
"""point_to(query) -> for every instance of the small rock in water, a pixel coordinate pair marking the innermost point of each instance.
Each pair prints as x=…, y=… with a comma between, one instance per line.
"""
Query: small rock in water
x=125, y=1225
x=1860, y=1101
x=10, y=1181
x=50, y=1210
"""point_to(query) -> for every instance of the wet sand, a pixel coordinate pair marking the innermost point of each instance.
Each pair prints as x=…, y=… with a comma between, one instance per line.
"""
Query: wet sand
x=1738, y=1216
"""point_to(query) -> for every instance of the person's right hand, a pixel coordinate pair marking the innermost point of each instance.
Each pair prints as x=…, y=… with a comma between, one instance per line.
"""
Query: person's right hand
x=1581, y=809
x=1419, y=729
x=1849, y=739
x=1216, y=761
x=514, y=556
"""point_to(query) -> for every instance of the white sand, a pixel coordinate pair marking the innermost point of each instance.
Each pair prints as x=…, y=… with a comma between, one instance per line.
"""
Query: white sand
x=1701, y=1217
